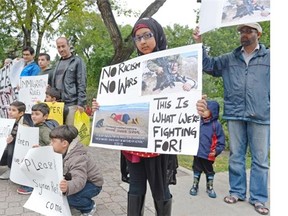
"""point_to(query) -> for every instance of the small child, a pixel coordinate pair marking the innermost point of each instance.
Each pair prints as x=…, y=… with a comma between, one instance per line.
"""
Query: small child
x=82, y=182
x=124, y=118
x=16, y=111
x=54, y=95
x=39, y=117
x=211, y=144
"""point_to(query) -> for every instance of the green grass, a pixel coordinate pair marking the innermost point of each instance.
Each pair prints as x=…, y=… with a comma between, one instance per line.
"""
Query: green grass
x=220, y=164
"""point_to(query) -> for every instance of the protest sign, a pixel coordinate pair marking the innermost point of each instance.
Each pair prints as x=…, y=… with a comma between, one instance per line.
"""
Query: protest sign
x=45, y=169
x=56, y=111
x=15, y=71
x=32, y=90
x=24, y=142
x=7, y=93
x=6, y=126
x=142, y=110
x=220, y=13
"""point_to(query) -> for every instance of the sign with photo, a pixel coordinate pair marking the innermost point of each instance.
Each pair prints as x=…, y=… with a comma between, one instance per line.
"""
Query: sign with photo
x=148, y=103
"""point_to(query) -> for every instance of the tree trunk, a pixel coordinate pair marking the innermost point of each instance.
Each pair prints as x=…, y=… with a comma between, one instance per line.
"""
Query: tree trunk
x=39, y=42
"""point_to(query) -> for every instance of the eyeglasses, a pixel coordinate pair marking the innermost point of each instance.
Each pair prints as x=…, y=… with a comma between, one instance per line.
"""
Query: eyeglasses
x=145, y=36
x=247, y=31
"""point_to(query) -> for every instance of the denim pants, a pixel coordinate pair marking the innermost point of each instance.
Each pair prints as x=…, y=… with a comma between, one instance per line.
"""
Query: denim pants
x=82, y=200
x=257, y=138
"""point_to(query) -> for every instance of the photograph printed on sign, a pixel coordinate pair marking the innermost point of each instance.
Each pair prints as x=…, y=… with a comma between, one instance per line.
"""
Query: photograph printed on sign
x=245, y=10
x=170, y=74
x=122, y=125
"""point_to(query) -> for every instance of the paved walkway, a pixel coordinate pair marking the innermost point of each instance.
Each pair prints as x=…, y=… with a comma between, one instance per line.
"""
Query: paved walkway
x=112, y=201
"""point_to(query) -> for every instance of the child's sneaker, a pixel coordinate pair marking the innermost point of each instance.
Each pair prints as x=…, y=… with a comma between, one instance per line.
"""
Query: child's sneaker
x=25, y=190
x=210, y=191
x=91, y=213
x=194, y=190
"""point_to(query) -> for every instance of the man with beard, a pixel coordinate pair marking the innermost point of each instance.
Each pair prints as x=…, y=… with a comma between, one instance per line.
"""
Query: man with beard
x=246, y=76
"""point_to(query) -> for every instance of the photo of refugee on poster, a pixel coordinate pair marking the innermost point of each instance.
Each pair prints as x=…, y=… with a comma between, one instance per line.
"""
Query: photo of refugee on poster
x=170, y=74
x=222, y=13
x=245, y=10
x=122, y=125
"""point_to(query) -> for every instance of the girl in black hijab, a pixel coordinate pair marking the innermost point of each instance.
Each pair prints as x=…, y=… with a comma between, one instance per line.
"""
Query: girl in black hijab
x=158, y=169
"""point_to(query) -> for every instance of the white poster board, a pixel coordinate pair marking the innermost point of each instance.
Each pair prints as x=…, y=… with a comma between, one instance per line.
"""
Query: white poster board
x=45, y=168
x=15, y=71
x=221, y=13
x=6, y=126
x=25, y=139
x=32, y=90
x=158, y=115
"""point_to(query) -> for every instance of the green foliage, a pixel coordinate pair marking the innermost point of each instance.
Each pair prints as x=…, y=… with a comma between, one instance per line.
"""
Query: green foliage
x=178, y=35
x=90, y=39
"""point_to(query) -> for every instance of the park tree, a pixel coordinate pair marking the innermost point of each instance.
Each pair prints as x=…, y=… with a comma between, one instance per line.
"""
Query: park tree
x=34, y=18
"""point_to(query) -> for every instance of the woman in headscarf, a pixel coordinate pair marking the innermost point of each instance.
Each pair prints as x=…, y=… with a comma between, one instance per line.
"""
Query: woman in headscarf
x=158, y=169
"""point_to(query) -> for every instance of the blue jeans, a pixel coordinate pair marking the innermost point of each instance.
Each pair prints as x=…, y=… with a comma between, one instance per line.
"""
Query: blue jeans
x=257, y=137
x=82, y=200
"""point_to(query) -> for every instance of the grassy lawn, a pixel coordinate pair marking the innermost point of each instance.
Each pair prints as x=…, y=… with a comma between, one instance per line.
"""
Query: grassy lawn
x=220, y=164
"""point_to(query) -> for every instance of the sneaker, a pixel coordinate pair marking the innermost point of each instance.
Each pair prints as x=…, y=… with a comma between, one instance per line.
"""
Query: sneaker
x=91, y=213
x=211, y=193
x=5, y=175
x=25, y=190
x=194, y=190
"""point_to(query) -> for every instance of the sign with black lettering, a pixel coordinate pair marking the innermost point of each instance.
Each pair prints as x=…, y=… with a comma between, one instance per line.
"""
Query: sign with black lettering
x=148, y=103
x=32, y=90
x=56, y=111
x=24, y=142
x=44, y=167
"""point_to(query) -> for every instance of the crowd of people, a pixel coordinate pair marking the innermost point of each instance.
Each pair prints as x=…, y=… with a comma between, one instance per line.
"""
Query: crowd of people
x=246, y=76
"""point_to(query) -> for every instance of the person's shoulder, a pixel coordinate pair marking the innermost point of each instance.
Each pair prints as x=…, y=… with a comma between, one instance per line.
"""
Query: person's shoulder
x=51, y=123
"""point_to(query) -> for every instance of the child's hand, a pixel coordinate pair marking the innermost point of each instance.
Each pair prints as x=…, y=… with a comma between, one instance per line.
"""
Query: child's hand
x=9, y=139
x=63, y=186
x=35, y=146
x=202, y=108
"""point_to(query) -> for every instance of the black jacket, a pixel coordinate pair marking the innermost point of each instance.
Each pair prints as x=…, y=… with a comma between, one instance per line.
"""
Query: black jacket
x=74, y=82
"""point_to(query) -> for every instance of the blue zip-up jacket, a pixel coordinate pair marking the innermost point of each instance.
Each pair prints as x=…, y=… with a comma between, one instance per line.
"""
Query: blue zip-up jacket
x=31, y=69
x=246, y=87
x=212, y=136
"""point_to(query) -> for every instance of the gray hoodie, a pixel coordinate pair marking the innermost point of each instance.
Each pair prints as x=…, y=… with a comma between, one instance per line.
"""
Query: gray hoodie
x=82, y=167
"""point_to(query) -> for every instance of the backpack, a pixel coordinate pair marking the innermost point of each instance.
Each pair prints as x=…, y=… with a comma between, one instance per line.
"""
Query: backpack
x=51, y=123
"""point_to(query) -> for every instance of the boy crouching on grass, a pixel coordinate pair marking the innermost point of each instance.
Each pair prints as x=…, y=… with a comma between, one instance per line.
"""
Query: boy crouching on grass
x=82, y=177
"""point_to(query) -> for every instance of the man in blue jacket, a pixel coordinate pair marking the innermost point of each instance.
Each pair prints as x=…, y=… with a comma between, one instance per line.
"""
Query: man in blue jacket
x=31, y=67
x=246, y=77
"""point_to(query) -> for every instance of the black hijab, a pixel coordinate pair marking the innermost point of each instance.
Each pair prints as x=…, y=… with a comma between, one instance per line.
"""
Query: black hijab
x=156, y=29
